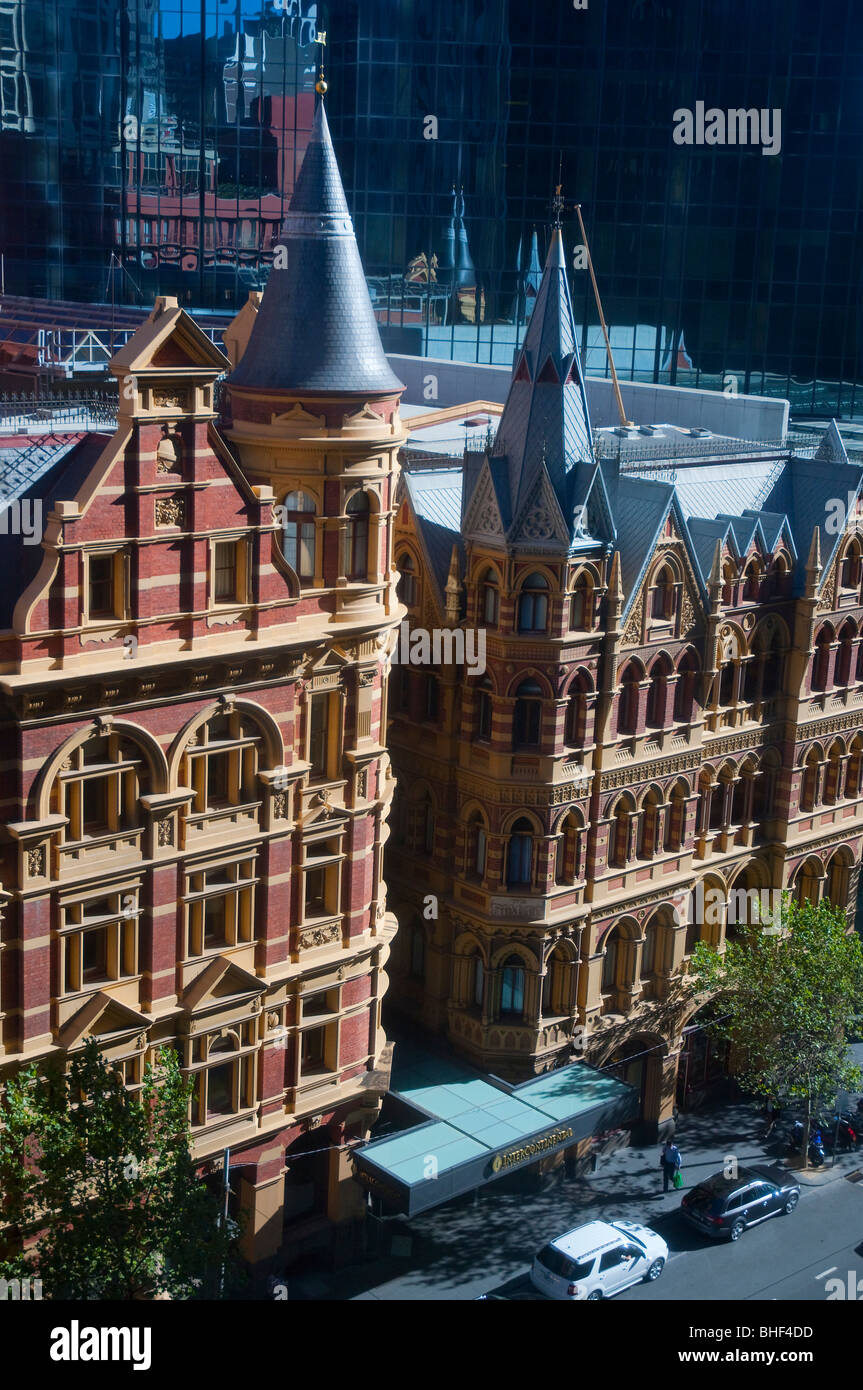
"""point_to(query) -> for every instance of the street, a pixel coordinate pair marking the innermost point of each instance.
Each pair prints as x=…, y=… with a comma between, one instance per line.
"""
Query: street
x=484, y=1244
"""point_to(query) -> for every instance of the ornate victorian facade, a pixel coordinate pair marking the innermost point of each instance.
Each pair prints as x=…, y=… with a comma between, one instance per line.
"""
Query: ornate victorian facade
x=195, y=787
x=670, y=722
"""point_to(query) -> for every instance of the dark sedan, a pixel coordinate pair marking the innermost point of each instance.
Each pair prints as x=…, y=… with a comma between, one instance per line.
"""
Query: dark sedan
x=723, y=1206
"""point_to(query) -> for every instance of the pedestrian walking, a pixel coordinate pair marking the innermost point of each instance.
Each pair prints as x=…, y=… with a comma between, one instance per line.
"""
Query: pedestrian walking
x=669, y=1162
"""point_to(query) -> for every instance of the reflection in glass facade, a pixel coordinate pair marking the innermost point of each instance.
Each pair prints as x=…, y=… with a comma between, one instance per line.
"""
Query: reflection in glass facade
x=167, y=134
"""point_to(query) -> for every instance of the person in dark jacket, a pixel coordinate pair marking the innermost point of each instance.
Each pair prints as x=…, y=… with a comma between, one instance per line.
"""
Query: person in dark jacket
x=669, y=1162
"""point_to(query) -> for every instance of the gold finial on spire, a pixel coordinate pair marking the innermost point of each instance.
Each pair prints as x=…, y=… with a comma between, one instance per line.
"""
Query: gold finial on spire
x=321, y=86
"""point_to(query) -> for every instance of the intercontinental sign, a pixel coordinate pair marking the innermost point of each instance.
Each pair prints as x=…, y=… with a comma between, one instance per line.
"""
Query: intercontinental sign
x=510, y=1157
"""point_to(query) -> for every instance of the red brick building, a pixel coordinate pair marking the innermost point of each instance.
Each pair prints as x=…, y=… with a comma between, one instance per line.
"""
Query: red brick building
x=194, y=783
x=669, y=723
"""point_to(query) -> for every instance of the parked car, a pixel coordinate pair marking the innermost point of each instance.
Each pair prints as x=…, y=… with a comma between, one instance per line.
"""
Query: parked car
x=598, y=1260
x=723, y=1206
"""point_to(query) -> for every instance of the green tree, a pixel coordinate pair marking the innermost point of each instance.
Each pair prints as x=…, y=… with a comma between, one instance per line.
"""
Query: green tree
x=107, y=1179
x=792, y=994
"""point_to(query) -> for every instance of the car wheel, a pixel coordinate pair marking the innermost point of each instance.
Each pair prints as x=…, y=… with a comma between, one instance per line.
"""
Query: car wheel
x=737, y=1230
x=594, y=1297
x=793, y=1199
x=654, y=1272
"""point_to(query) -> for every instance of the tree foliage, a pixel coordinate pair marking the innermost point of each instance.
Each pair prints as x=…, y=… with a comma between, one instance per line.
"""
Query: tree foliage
x=792, y=994
x=105, y=1180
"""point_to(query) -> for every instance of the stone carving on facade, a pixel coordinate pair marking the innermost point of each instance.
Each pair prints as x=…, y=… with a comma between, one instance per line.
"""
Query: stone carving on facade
x=165, y=831
x=320, y=936
x=362, y=782
x=280, y=805
x=170, y=400
x=36, y=861
x=169, y=511
x=666, y=767
x=827, y=601
x=366, y=678
x=632, y=631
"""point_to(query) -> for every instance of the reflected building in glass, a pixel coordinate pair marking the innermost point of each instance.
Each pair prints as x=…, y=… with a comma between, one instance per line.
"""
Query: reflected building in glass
x=149, y=146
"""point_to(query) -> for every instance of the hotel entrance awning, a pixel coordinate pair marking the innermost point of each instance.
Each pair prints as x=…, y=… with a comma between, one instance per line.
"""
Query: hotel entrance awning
x=474, y=1128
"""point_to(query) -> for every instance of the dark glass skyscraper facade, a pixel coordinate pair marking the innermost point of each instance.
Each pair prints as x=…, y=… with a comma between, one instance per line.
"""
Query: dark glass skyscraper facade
x=163, y=137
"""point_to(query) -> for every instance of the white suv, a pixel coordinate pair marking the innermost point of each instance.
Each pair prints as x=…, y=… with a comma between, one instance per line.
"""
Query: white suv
x=598, y=1260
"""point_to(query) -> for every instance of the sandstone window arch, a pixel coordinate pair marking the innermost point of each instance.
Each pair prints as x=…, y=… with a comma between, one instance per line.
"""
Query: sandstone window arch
x=99, y=785
x=527, y=715
x=581, y=602
x=559, y=982
x=407, y=589
x=489, y=598
x=520, y=854
x=358, y=513
x=533, y=603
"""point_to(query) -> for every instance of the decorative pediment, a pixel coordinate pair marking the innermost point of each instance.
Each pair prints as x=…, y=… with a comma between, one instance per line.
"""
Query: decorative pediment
x=102, y=1017
x=365, y=422
x=540, y=522
x=297, y=421
x=483, y=518
x=220, y=981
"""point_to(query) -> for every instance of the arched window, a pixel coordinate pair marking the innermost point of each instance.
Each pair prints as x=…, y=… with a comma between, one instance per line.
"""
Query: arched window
x=684, y=690
x=222, y=763
x=809, y=882
x=489, y=598
x=664, y=591
x=527, y=717
x=357, y=537
x=557, y=986
x=477, y=846
x=657, y=694
x=675, y=818
x=610, y=956
x=648, y=830
x=809, y=785
x=845, y=656
x=99, y=787
x=729, y=582
x=833, y=774
x=727, y=673
x=299, y=534
x=821, y=660
x=581, y=604
x=851, y=568
x=751, y=582
x=512, y=986
x=855, y=766
x=838, y=880
x=575, y=724
x=483, y=709
x=780, y=578
x=618, y=836
x=533, y=604
x=568, y=865
x=407, y=585
x=650, y=949
x=519, y=862
x=627, y=716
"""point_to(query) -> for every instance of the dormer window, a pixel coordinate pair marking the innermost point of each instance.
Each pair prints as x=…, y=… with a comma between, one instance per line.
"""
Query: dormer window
x=664, y=594
x=106, y=573
x=581, y=606
x=407, y=585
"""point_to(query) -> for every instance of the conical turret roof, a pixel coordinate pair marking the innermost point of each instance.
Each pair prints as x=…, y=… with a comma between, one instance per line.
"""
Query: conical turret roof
x=545, y=417
x=315, y=329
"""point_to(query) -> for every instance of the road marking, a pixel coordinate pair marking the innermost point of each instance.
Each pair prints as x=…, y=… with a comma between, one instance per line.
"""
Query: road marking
x=825, y=1272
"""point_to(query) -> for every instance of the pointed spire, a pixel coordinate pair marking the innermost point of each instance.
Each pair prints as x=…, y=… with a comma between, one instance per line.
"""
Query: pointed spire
x=547, y=402
x=453, y=588
x=714, y=583
x=615, y=593
x=465, y=274
x=315, y=329
x=813, y=564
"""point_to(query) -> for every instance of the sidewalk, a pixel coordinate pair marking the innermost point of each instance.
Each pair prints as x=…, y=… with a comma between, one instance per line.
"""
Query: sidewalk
x=474, y=1243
